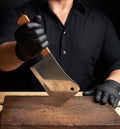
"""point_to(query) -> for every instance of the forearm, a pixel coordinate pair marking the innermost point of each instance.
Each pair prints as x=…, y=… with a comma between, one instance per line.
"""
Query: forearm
x=8, y=58
x=114, y=75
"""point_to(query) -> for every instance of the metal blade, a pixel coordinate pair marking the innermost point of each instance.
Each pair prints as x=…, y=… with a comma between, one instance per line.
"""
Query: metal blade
x=55, y=81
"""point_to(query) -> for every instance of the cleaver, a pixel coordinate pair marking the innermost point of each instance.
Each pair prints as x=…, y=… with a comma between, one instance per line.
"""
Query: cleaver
x=59, y=86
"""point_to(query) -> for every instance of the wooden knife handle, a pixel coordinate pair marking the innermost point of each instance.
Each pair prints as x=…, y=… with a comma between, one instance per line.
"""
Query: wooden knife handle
x=24, y=19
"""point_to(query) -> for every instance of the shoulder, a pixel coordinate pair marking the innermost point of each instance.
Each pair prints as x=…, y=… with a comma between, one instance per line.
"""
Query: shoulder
x=97, y=14
x=98, y=17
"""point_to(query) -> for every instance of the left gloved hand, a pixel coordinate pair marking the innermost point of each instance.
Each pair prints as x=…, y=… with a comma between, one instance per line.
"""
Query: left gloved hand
x=106, y=92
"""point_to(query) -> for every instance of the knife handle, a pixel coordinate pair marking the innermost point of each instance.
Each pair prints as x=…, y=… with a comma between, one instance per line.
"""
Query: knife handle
x=24, y=19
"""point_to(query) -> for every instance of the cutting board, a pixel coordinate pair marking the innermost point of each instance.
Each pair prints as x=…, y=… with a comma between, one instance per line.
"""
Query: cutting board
x=37, y=112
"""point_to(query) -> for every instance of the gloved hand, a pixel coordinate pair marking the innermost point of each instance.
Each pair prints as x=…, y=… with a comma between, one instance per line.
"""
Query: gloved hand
x=31, y=39
x=106, y=92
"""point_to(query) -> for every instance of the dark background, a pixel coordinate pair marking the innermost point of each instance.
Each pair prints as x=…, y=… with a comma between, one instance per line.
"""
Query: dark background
x=109, y=7
x=5, y=4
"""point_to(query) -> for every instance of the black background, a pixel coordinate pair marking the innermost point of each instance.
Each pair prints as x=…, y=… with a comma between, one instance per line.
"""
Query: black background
x=109, y=7
x=5, y=4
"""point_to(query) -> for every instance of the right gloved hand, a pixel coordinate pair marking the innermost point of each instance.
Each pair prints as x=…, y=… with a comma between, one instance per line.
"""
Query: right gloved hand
x=31, y=39
x=108, y=92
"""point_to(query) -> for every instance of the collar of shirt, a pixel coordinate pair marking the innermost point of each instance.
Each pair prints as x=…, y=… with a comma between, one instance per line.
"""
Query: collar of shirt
x=77, y=4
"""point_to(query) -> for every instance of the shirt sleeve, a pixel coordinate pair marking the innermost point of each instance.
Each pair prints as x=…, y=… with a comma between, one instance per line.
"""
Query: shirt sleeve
x=8, y=25
x=111, y=46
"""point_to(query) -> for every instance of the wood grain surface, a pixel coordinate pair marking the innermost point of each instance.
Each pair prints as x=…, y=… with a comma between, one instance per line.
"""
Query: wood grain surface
x=23, y=112
x=3, y=94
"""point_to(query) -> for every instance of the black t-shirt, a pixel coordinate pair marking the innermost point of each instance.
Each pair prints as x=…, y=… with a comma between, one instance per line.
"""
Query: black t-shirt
x=87, y=46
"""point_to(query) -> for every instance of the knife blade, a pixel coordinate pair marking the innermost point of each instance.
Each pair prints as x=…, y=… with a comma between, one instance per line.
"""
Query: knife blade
x=59, y=86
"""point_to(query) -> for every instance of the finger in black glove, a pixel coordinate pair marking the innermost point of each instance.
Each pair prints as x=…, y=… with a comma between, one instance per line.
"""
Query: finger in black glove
x=108, y=92
x=31, y=39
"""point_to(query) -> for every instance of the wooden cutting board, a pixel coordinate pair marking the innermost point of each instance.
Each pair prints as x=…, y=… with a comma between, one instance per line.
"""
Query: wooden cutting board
x=36, y=112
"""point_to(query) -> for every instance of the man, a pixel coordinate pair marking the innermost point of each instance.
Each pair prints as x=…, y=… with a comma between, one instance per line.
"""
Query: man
x=82, y=40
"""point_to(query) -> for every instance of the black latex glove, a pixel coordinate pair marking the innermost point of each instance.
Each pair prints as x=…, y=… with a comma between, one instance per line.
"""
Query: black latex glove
x=108, y=92
x=31, y=39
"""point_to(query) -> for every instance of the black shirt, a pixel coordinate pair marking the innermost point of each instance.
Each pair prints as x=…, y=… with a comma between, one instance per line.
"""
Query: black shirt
x=86, y=47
